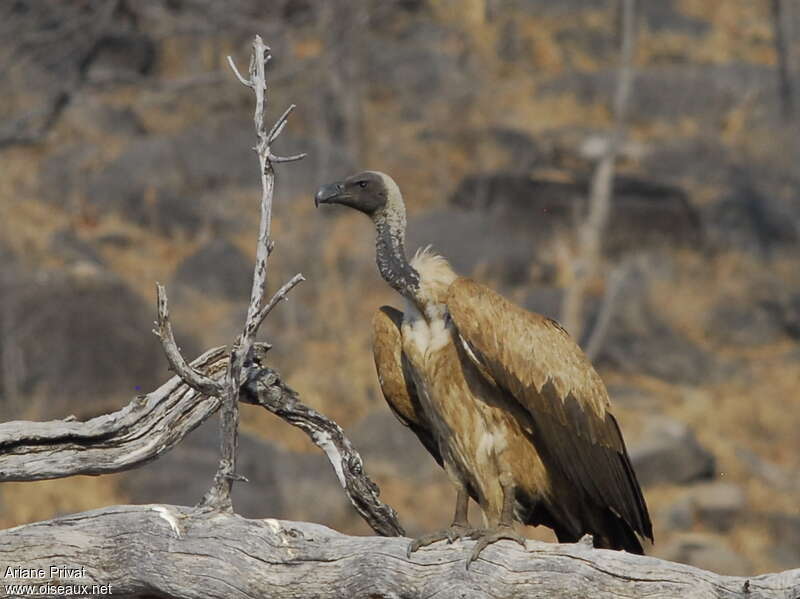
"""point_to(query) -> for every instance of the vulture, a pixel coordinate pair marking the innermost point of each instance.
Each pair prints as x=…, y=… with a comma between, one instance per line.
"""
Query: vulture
x=503, y=399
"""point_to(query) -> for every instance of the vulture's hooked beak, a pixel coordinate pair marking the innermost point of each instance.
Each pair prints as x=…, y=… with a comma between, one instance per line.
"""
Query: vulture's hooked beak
x=330, y=193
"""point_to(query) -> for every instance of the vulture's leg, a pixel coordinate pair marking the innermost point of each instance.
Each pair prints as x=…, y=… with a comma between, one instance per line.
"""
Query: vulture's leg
x=505, y=527
x=459, y=529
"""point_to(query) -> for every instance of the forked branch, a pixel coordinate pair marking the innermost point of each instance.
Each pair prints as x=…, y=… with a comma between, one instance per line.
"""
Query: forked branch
x=264, y=387
x=218, y=497
x=178, y=364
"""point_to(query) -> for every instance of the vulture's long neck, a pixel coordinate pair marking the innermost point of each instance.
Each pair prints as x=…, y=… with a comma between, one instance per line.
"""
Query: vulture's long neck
x=391, y=255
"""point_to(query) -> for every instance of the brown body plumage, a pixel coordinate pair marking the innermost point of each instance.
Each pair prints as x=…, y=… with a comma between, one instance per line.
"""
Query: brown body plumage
x=503, y=398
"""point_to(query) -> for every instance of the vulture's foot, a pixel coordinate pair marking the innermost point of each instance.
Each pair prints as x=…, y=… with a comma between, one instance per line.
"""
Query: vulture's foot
x=487, y=537
x=450, y=534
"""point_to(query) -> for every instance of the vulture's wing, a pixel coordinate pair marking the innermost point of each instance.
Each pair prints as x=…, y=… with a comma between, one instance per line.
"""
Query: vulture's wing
x=395, y=378
x=534, y=359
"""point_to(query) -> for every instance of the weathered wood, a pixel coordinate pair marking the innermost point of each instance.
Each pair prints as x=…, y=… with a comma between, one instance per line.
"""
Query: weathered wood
x=169, y=551
x=154, y=423
x=138, y=433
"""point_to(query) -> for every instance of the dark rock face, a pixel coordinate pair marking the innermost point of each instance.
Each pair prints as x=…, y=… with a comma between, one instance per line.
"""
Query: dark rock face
x=81, y=336
x=639, y=340
x=120, y=57
x=137, y=181
x=766, y=311
x=218, y=269
x=669, y=452
x=643, y=214
x=547, y=301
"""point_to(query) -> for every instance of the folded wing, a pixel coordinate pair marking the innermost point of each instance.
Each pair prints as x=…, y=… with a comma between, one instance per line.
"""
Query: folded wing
x=533, y=359
x=395, y=377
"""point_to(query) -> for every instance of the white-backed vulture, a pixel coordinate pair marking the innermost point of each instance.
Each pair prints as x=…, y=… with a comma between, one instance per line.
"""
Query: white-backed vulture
x=501, y=397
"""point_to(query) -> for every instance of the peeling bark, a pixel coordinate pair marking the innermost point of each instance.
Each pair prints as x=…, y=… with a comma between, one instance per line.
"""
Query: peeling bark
x=138, y=433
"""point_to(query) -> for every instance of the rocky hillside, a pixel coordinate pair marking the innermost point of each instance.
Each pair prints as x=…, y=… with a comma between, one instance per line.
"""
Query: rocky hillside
x=125, y=159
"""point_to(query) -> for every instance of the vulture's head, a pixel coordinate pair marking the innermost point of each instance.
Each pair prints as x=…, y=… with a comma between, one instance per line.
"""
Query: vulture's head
x=373, y=193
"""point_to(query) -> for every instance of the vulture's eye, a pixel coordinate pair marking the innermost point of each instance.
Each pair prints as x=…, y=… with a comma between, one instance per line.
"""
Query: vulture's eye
x=362, y=184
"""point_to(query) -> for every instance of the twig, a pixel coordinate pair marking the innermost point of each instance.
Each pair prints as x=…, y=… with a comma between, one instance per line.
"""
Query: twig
x=281, y=294
x=236, y=72
x=218, y=497
x=177, y=362
x=264, y=387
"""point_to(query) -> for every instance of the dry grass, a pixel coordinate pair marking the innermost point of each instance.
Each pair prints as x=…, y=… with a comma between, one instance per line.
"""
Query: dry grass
x=29, y=502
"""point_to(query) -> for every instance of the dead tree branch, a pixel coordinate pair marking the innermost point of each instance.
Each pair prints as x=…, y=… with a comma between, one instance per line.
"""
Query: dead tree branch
x=176, y=552
x=195, y=379
x=218, y=496
x=614, y=283
x=153, y=424
x=264, y=387
x=138, y=433
x=592, y=231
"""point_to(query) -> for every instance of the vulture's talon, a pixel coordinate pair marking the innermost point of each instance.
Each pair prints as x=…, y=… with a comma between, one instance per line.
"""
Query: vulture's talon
x=450, y=534
x=489, y=537
x=457, y=532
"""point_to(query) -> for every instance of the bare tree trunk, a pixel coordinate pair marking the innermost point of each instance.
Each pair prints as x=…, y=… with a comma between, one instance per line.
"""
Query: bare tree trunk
x=591, y=232
x=781, y=27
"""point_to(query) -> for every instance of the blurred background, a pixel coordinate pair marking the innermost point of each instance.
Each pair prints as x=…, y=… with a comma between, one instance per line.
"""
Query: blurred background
x=125, y=159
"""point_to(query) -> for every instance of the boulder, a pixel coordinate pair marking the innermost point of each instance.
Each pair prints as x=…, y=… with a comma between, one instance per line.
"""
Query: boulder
x=717, y=504
x=669, y=452
x=83, y=339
